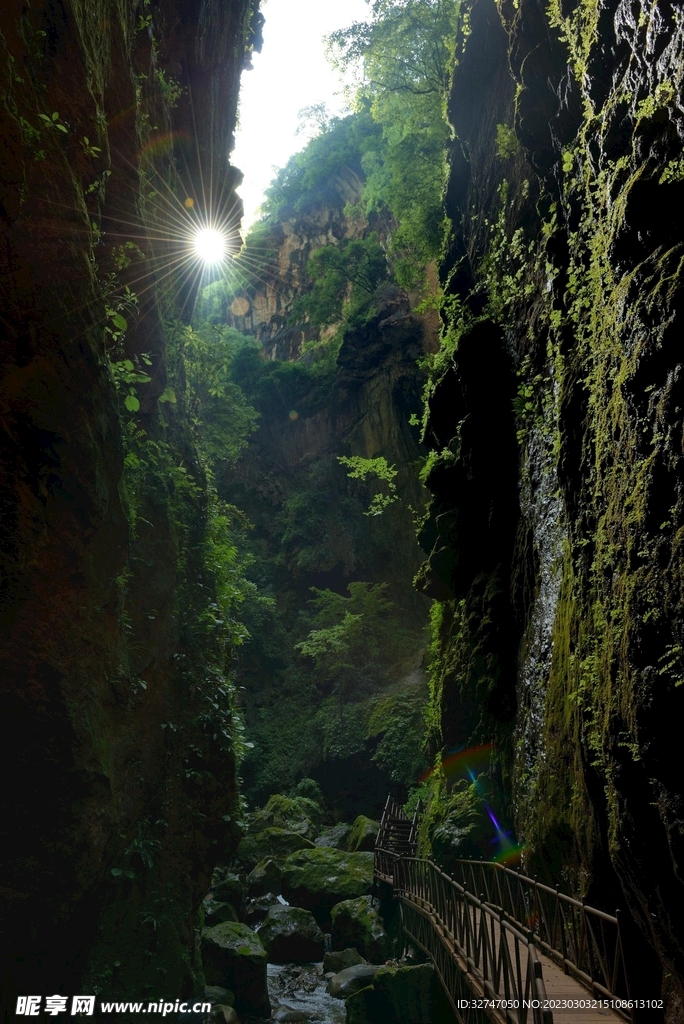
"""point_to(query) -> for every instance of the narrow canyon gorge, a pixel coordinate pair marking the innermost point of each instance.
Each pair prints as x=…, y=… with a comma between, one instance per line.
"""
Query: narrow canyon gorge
x=348, y=540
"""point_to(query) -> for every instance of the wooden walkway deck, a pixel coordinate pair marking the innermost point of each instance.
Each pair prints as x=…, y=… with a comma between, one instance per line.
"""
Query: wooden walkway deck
x=518, y=952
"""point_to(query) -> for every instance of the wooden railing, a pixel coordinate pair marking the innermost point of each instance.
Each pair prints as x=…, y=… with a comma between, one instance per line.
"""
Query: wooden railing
x=582, y=940
x=485, y=928
x=475, y=950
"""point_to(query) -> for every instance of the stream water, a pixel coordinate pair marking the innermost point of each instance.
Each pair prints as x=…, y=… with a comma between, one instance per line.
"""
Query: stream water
x=303, y=987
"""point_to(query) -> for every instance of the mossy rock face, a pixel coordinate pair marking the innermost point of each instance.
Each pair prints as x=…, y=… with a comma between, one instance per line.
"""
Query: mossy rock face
x=351, y=979
x=320, y=878
x=336, y=837
x=265, y=877
x=291, y=934
x=358, y=923
x=403, y=995
x=217, y=913
x=339, y=960
x=276, y=843
x=234, y=958
x=363, y=834
x=293, y=814
x=227, y=887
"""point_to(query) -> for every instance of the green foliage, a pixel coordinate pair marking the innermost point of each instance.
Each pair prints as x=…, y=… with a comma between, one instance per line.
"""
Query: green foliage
x=218, y=412
x=404, y=54
x=349, y=643
x=345, y=277
x=507, y=144
x=398, y=723
x=361, y=469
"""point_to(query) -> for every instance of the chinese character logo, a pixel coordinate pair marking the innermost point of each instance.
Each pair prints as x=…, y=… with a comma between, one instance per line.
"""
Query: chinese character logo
x=28, y=1006
x=55, y=1005
x=83, y=1004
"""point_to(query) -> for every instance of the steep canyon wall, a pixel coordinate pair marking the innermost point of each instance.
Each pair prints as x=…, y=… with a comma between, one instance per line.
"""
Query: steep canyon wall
x=115, y=798
x=556, y=543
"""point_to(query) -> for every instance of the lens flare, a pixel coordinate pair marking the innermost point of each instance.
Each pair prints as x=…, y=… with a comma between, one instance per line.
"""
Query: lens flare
x=210, y=245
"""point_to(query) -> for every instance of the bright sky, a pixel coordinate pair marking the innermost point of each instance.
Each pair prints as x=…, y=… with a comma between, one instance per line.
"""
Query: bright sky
x=290, y=73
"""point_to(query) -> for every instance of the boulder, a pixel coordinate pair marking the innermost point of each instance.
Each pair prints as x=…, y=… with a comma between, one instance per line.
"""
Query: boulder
x=287, y=1015
x=215, y=913
x=265, y=877
x=227, y=887
x=336, y=837
x=291, y=934
x=339, y=960
x=215, y=994
x=403, y=995
x=256, y=909
x=221, y=1014
x=351, y=979
x=295, y=814
x=235, y=958
x=358, y=923
x=363, y=834
x=318, y=879
x=276, y=843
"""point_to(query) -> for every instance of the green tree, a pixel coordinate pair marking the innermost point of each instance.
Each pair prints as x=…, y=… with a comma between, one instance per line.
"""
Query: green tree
x=220, y=416
x=345, y=278
x=404, y=54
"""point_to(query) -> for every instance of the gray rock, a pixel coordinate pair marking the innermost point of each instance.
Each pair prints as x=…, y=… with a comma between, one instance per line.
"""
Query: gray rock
x=234, y=958
x=228, y=888
x=351, y=979
x=335, y=837
x=358, y=923
x=276, y=843
x=265, y=877
x=256, y=909
x=291, y=934
x=221, y=1014
x=403, y=995
x=287, y=1015
x=319, y=878
x=338, y=961
x=216, y=913
x=363, y=834
x=215, y=994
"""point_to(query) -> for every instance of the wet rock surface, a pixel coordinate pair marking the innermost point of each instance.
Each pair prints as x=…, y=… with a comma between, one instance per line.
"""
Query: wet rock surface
x=303, y=989
x=363, y=834
x=318, y=879
x=290, y=934
x=351, y=979
x=358, y=923
x=338, y=960
x=234, y=958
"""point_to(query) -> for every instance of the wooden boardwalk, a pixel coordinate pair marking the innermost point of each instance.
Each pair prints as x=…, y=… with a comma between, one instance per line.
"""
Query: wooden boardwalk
x=515, y=952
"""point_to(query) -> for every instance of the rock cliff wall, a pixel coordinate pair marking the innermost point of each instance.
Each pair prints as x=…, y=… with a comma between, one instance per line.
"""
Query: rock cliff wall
x=557, y=536
x=115, y=800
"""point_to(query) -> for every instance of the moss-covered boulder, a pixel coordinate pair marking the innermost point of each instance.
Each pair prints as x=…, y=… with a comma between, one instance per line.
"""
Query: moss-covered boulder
x=216, y=913
x=339, y=960
x=403, y=995
x=276, y=843
x=257, y=908
x=336, y=837
x=358, y=923
x=234, y=958
x=215, y=995
x=363, y=834
x=265, y=877
x=318, y=879
x=227, y=887
x=291, y=934
x=293, y=814
x=351, y=979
